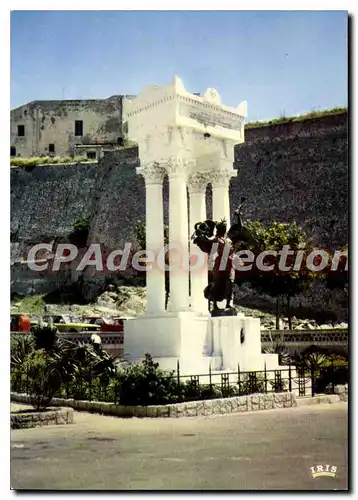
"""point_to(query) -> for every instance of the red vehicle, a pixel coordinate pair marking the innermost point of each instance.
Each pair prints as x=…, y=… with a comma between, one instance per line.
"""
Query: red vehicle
x=116, y=325
x=20, y=322
x=107, y=324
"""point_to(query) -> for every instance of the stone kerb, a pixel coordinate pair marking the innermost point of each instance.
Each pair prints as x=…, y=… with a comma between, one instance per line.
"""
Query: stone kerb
x=27, y=420
x=253, y=402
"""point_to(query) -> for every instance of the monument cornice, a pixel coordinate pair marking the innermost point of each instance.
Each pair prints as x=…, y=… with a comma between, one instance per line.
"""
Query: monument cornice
x=192, y=100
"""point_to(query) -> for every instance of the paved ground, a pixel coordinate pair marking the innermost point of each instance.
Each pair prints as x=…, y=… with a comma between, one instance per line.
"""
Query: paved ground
x=268, y=450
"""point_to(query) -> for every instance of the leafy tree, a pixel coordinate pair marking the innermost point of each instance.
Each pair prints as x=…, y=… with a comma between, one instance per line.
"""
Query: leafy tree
x=276, y=282
x=43, y=380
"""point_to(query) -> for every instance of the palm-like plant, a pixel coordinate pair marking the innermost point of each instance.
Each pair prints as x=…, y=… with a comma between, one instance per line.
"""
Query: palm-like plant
x=104, y=365
x=45, y=338
x=21, y=347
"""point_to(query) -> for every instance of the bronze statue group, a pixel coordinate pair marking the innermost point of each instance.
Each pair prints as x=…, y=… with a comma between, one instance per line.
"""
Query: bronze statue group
x=213, y=237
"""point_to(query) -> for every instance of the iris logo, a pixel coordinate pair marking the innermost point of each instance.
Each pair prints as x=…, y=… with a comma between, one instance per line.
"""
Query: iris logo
x=323, y=471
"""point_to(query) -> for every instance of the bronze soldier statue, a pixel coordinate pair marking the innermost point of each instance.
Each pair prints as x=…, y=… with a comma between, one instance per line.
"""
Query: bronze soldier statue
x=213, y=238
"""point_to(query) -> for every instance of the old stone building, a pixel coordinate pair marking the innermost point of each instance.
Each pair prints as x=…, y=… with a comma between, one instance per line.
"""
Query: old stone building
x=66, y=128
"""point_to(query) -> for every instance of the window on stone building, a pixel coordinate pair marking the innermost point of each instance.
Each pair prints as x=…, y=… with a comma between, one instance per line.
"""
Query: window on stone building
x=91, y=155
x=12, y=151
x=51, y=148
x=21, y=130
x=79, y=127
x=120, y=141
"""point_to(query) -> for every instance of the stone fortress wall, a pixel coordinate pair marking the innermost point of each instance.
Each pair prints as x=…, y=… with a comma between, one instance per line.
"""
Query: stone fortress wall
x=290, y=171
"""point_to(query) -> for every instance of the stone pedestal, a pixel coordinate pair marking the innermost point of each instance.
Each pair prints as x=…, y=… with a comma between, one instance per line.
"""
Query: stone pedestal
x=198, y=343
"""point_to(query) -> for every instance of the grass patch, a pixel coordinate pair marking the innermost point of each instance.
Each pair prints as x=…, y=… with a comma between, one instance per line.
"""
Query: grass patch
x=33, y=304
x=290, y=119
x=48, y=160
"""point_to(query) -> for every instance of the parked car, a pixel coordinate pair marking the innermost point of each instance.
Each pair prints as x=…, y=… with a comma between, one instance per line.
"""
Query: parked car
x=115, y=324
x=20, y=322
x=64, y=323
x=94, y=320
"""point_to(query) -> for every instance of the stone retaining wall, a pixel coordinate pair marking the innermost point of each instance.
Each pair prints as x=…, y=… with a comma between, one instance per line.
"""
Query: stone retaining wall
x=59, y=416
x=252, y=402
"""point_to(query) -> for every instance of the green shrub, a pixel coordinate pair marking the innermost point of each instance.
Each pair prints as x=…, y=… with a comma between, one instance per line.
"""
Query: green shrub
x=43, y=380
x=21, y=347
x=18, y=379
x=82, y=224
x=144, y=384
x=251, y=383
x=95, y=389
x=329, y=377
x=208, y=391
x=81, y=228
x=278, y=385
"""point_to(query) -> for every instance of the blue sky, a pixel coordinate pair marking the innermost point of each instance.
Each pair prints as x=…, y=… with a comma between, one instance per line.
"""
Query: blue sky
x=282, y=63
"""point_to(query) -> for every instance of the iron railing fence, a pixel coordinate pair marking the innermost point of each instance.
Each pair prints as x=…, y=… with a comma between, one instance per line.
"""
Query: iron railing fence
x=300, y=381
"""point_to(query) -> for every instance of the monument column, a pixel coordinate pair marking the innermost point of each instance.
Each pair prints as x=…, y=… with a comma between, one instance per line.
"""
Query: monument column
x=154, y=233
x=197, y=213
x=178, y=235
x=220, y=182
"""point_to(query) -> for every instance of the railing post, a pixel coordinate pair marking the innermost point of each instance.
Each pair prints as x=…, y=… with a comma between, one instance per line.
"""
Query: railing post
x=312, y=381
x=210, y=384
x=178, y=372
x=90, y=385
x=238, y=378
x=265, y=378
x=289, y=377
x=27, y=381
x=333, y=373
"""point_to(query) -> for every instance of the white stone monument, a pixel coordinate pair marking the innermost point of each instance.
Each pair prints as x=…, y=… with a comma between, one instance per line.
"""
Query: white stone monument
x=191, y=139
